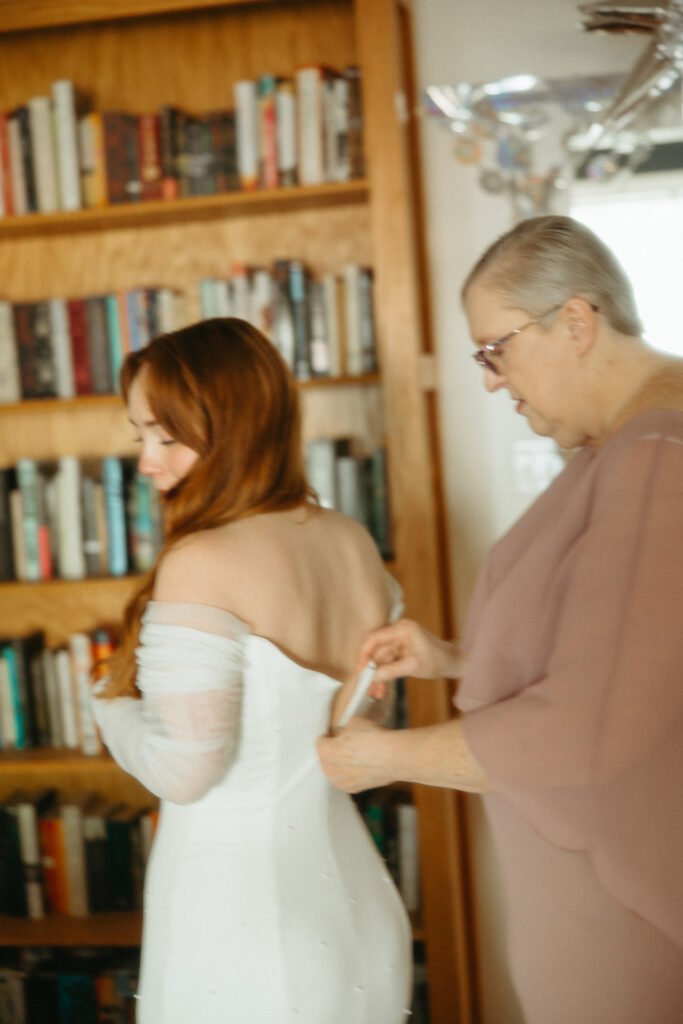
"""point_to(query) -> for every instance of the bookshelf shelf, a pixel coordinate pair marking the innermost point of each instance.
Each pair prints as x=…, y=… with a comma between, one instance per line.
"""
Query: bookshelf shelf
x=18, y=15
x=111, y=930
x=179, y=211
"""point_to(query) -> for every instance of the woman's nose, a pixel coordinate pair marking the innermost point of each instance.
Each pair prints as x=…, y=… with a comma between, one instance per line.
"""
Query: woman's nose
x=493, y=381
x=146, y=462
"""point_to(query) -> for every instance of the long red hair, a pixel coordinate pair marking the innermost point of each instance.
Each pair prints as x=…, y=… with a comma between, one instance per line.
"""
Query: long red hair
x=221, y=388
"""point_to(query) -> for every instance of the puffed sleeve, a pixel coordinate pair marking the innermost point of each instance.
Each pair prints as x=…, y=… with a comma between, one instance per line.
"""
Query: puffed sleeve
x=180, y=738
x=592, y=752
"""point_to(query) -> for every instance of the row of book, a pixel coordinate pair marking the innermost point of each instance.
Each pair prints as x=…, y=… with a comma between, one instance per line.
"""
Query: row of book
x=71, y=854
x=73, y=518
x=63, y=348
x=353, y=484
x=58, y=154
x=45, y=693
x=66, y=986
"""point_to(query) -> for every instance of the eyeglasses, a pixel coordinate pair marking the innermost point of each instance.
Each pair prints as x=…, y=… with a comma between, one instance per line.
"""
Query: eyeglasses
x=483, y=354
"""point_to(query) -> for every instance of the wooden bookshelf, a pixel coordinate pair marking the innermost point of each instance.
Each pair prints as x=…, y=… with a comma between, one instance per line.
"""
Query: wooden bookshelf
x=137, y=56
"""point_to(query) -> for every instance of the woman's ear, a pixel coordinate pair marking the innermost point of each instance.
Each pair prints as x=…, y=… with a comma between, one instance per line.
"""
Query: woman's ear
x=581, y=321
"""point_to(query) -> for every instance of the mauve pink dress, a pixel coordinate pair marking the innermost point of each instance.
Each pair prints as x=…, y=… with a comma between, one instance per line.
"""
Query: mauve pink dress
x=573, y=702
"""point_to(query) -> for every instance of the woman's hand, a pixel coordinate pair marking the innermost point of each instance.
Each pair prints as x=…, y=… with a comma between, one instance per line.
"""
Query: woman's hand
x=407, y=649
x=351, y=758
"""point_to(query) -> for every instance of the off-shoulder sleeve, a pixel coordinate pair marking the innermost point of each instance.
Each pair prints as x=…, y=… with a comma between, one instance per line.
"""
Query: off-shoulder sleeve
x=180, y=738
x=592, y=752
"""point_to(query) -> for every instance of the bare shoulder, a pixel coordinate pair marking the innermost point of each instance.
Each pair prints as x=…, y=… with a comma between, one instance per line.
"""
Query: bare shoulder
x=194, y=568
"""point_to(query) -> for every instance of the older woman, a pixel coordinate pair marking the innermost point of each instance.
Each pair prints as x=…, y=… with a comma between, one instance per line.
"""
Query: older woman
x=572, y=659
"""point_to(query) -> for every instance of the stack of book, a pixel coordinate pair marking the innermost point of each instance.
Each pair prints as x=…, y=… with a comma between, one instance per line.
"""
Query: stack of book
x=322, y=327
x=75, y=518
x=353, y=484
x=45, y=694
x=62, y=348
x=57, y=154
x=71, y=855
x=89, y=986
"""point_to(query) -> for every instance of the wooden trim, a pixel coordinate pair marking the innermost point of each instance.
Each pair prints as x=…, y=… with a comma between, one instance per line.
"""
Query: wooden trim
x=19, y=15
x=113, y=929
x=193, y=208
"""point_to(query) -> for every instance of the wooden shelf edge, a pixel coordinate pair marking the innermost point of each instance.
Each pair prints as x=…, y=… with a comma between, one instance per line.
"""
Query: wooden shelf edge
x=19, y=15
x=38, y=759
x=192, y=208
x=112, y=929
x=61, y=585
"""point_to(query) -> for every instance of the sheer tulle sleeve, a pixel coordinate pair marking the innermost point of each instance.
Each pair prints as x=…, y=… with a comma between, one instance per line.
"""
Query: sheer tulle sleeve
x=179, y=740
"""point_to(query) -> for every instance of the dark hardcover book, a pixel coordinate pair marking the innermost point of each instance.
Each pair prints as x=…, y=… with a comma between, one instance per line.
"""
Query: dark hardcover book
x=197, y=156
x=120, y=823
x=8, y=483
x=149, y=150
x=180, y=152
x=38, y=687
x=26, y=153
x=120, y=133
x=96, y=865
x=76, y=999
x=80, y=348
x=40, y=996
x=168, y=139
x=12, y=890
x=224, y=145
x=26, y=809
x=36, y=361
x=98, y=345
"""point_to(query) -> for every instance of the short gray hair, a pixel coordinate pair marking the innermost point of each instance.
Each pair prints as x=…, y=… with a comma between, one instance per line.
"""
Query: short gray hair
x=544, y=261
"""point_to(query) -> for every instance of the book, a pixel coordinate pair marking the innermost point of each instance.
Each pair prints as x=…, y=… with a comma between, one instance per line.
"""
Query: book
x=117, y=552
x=334, y=308
x=336, y=112
x=97, y=331
x=285, y=118
x=93, y=168
x=80, y=651
x=17, y=529
x=321, y=468
x=71, y=560
x=120, y=824
x=71, y=813
x=10, y=379
x=94, y=542
x=12, y=1002
x=282, y=330
x=44, y=157
x=5, y=167
x=53, y=857
x=168, y=151
x=309, y=83
x=80, y=348
x=12, y=888
x=51, y=687
x=23, y=649
x=408, y=855
x=366, y=318
x=35, y=532
x=95, y=851
x=65, y=107
x=319, y=341
x=353, y=347
x=224, y=141
x=67, y=706
x=143, y=537
x=269, y=176
x=60, y=341
x=7, y=484
x=21, y=118
x=247, y=133
x=120, y=138
x=26, y=807
x=354, y=142
x=36, y=363
x=352, y=488
x=10, y=712
x=149, y=149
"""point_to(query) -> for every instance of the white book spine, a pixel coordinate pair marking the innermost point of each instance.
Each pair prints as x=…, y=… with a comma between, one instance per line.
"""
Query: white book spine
x=8, y=732
x=222, y=298
x=67, y=708
x=285, y=114
x=66, y=132
x=80, y=649
x=247, y=131
x=71, y=557
x=31, y=859
x=10, y=380
x=43, y=152
x=321, y=471
x=262, y=300
x=74, y=847
x=310, y=126
x=60, y=338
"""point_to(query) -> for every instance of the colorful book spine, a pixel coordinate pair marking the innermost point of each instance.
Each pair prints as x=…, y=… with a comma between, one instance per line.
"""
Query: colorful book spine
x=112, y=478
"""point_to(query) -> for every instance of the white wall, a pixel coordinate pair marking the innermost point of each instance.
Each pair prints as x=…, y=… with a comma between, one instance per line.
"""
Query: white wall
x=475, y=41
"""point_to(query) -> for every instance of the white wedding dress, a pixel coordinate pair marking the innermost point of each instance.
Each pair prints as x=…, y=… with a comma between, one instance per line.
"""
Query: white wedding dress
x=266, y=901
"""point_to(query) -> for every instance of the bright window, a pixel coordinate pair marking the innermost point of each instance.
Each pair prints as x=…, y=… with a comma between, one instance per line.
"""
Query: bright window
x=642, y=222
